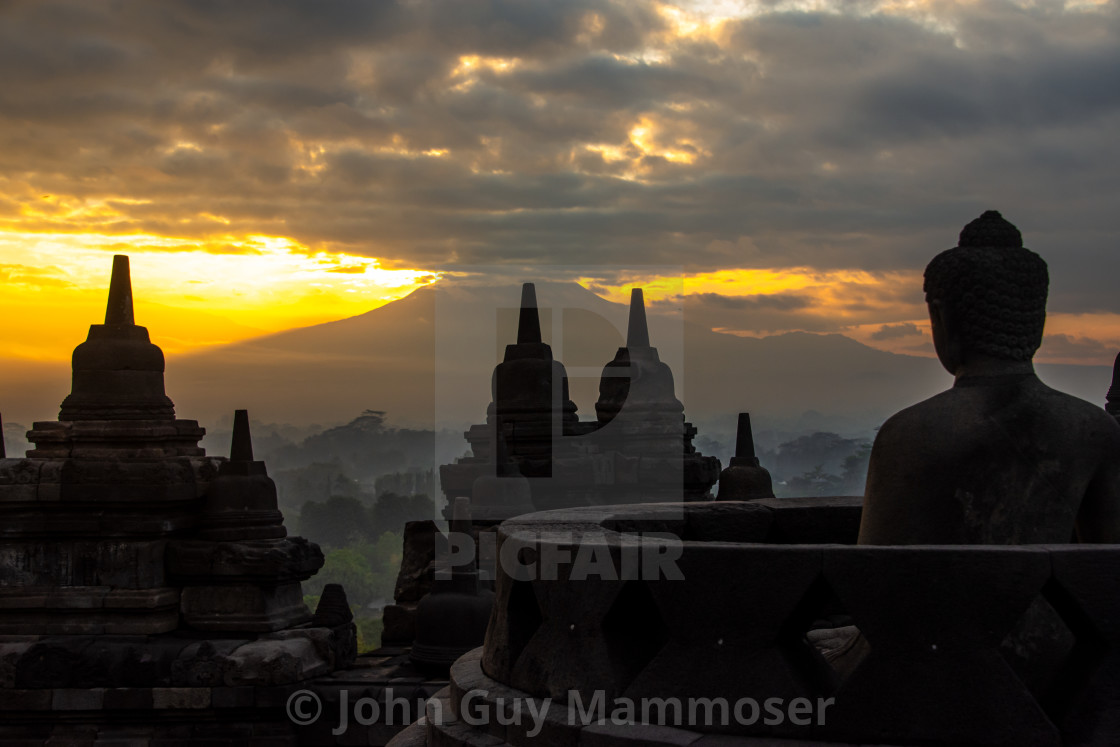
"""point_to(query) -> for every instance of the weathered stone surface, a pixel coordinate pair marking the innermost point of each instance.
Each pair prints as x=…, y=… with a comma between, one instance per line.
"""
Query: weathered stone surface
x=136, y=564
x=333, y=613
x=86, y=699
x=204, y=663
x=1083, y=592
x=716, y=522
x=416, y=574
x=814, y=520
x=80, y=610
x=138, y=438
x=697, y=658
x=181, y=697
x=129, y=698
x=267, y=561
x=276, y=662
x=90, y=661
x=25, y=700
x=399, y=622
x=244, y=607
x=625, y=735
x=415, y=735
x=934, y=618
x=452, y=619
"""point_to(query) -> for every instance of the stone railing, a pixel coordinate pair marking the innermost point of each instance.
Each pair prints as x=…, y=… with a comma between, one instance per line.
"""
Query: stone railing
x=1014, y=645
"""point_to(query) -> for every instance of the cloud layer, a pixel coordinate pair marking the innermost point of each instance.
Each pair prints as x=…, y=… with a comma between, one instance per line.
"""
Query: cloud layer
x=600, y=134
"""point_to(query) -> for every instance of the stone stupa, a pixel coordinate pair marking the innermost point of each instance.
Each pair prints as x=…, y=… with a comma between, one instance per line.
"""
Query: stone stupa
x=148, y=591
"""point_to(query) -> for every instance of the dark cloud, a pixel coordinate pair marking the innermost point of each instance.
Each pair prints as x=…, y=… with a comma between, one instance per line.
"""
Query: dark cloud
x=1062, y=347
x=894, y=331
x=452, y=133
x=776, y=301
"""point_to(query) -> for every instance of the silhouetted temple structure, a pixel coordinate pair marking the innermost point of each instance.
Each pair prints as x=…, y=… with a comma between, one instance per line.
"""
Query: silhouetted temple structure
x=534, y=453
x=745, y=479
x=148, y=592
x=637, y=449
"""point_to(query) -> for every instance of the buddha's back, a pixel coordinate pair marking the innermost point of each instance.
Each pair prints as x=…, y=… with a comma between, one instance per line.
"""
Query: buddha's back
x=1000, y=458
x=994, y=460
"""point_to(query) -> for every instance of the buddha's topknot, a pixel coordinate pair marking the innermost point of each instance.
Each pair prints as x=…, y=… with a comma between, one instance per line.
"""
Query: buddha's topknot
x=995, y=288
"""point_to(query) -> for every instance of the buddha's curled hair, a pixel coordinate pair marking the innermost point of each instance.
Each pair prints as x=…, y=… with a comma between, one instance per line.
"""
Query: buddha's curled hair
x=995, y=288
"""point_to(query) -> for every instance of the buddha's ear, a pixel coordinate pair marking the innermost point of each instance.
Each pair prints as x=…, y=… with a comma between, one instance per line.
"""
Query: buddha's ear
x=936, y=317
x=941, y=315
x=945, y=342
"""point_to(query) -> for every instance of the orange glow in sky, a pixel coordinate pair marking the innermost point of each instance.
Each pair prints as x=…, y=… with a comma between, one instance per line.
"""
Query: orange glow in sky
x=189, y=298
x=237, y=218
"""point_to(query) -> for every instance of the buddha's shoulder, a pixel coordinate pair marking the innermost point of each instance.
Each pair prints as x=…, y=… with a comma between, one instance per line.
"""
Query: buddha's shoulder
x=1060, y=406
x=939, y=408
x=952, y=412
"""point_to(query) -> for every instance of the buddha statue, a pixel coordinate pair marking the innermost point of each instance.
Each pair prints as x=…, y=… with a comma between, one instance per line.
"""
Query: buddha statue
x=999, y=458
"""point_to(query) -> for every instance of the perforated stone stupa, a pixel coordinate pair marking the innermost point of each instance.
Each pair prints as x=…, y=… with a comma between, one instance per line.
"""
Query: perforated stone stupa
x=638, y=447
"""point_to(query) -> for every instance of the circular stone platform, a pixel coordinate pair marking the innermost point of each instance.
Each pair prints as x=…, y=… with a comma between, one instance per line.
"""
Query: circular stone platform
x=676, y=609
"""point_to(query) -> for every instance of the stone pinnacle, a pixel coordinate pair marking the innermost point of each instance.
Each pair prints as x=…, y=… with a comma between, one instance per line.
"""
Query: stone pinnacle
x=3, y=452
x=637, y=331
x=744, y=438
x=118, y=312
x=241, y=449
x=529, y=321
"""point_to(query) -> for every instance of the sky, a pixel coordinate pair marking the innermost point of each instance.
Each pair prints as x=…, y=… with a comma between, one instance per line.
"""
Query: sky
x=272, y=163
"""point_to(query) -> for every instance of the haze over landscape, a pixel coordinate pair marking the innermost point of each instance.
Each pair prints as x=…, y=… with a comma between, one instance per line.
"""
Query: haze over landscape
x=299, y=185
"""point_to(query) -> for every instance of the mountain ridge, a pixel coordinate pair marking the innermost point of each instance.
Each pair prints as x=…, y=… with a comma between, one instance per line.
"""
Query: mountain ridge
x=428, y=356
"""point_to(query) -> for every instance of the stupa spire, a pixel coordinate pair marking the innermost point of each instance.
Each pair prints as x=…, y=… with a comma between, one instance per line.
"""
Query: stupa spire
x=637, y=331
x=118, y=311
x=529, y=321
x=241, y=448
x=744, y=438
x=241, y=502
x=640, y=381
x=530, y=390
x=117, y=371
x=744, y=479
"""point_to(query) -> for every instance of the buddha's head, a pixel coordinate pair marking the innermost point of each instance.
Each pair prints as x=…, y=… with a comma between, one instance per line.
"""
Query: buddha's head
x=986, y=296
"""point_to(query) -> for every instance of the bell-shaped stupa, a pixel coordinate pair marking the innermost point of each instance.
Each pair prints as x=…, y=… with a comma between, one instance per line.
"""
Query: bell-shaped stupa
x=530, y=391
x=641, y=420
x=638, y=386
x=744, y=479
x=117, y=407
x=241, y=502
x=452, y=619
